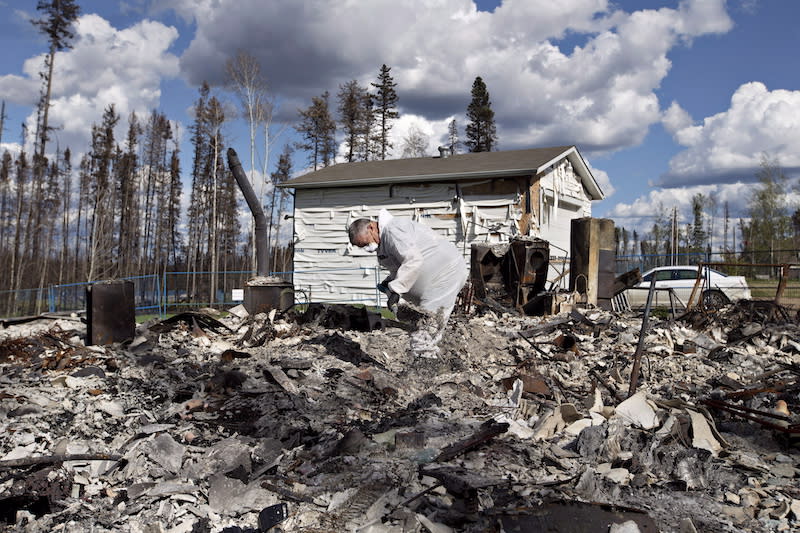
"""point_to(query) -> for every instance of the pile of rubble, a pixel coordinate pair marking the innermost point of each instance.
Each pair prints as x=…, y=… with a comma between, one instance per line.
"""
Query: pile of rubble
x=290, y=423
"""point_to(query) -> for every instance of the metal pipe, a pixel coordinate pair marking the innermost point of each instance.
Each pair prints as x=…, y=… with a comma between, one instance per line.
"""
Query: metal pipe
x=262, y=252
x=637, y=358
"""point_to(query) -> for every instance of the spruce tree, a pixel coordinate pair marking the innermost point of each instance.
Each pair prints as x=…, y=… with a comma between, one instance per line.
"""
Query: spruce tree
x=56, y=24
x=453, y=142
x=318, y=130
x=481, y=130
x=385, y=108
x=354, y=106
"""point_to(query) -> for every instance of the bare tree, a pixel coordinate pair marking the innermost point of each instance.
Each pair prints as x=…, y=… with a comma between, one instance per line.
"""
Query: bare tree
x=214, y=120
x=127, y=186
x=282, y=173
x=415, y=143
x=2, y=120
x=65, y=171
x=102, y=218
x=250, y=85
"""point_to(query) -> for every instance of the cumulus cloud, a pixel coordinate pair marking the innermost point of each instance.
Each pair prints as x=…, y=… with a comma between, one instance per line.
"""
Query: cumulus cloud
x=648, y=206
x=105, y=66
x=642, y=212
x=599, y=95
x=602, y=179
x=730, y=144
x=675, y=118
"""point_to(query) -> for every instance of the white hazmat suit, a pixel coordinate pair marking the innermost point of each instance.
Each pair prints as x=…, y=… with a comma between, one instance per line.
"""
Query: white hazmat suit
x=426, y=270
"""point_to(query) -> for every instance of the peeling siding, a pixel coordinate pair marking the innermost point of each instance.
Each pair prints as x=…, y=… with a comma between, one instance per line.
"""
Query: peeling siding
x=328, y=268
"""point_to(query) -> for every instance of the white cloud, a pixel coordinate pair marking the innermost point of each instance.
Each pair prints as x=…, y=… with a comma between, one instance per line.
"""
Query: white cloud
x=731, y=143
x=675, y=118
x=12, y=148
x=602, y=179
x=599, y=95
x=105, y=66
x=436, y=131
x=647, y=207
x=643, y=211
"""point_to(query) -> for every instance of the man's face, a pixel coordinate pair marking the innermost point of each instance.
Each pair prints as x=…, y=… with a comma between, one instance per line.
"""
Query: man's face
x=371, y=235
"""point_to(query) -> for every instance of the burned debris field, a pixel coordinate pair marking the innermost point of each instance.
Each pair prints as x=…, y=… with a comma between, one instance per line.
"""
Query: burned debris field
x=317, y=421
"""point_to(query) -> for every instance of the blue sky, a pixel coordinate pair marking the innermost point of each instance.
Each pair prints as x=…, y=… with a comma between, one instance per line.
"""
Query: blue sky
x=665, y=99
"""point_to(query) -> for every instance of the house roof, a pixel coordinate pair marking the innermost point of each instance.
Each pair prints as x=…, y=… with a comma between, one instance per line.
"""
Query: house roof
x=452, y=168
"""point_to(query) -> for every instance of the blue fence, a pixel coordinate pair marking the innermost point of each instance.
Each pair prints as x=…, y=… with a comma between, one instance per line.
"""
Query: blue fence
x=70, y=297
x=157, y=294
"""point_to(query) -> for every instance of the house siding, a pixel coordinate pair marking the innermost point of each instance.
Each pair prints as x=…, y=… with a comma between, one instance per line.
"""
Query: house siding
x=327, y=268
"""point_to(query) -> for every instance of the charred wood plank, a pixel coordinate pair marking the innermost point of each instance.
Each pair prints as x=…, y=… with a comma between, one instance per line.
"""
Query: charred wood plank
x=58, y=458
x=487, y=432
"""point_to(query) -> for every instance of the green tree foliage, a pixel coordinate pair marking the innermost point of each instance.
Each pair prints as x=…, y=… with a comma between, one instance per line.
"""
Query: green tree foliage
x=481, y=129
x=453, y=142
x=385, y=99
x=698, y=237
x=769, y=225
x=318, y=130
x=355, y=109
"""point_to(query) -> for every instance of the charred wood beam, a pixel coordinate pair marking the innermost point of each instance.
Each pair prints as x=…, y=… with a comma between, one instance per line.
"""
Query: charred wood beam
x=743, y=413
x=59, y=458
x=637, y=358
x=627, y=280
x=487, y=432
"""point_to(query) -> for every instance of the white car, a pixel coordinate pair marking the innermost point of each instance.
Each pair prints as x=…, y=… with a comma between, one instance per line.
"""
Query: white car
x=716, y=288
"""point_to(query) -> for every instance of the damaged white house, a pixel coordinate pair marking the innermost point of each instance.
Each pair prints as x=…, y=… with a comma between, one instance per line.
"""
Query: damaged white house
x=468, y=198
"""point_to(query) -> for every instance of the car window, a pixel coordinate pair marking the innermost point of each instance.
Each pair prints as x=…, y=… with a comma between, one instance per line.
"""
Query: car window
x=648, y=277
x=686, y=274
x=663, y=275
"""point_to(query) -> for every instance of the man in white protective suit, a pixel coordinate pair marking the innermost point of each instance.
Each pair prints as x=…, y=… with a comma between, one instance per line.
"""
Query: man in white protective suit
x=424, y=269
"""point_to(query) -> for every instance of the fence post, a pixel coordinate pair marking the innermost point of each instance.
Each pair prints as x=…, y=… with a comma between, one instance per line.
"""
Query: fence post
x=377, y=292
x=51, y=299
x=163, y=309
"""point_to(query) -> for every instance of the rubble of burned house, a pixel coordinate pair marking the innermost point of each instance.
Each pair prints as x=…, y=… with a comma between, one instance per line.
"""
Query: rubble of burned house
x=320, y=422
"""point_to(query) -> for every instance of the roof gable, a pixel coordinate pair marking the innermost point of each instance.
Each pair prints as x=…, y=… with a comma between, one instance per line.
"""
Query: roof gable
x=452, y=168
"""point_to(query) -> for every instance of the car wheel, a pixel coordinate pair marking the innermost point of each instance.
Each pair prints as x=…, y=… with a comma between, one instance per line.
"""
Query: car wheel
x=714, y=299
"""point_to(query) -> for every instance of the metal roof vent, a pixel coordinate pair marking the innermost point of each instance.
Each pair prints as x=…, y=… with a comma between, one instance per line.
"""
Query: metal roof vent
x=444, y=152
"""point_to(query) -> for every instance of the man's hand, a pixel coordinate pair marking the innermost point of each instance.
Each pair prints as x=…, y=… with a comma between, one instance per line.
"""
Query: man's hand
x=392, y=297
x=391, y=303
x=383, y=286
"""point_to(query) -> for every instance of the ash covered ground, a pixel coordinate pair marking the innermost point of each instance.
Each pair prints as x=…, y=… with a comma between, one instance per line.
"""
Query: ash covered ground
x=287, y=423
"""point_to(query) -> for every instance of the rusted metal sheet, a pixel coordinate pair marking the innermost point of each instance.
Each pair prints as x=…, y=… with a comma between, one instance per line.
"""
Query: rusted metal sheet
x=110, y=312
x=266, y=296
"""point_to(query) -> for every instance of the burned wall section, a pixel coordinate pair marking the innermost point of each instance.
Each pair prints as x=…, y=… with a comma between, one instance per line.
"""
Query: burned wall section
x=513, y=275
x=593, y=260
